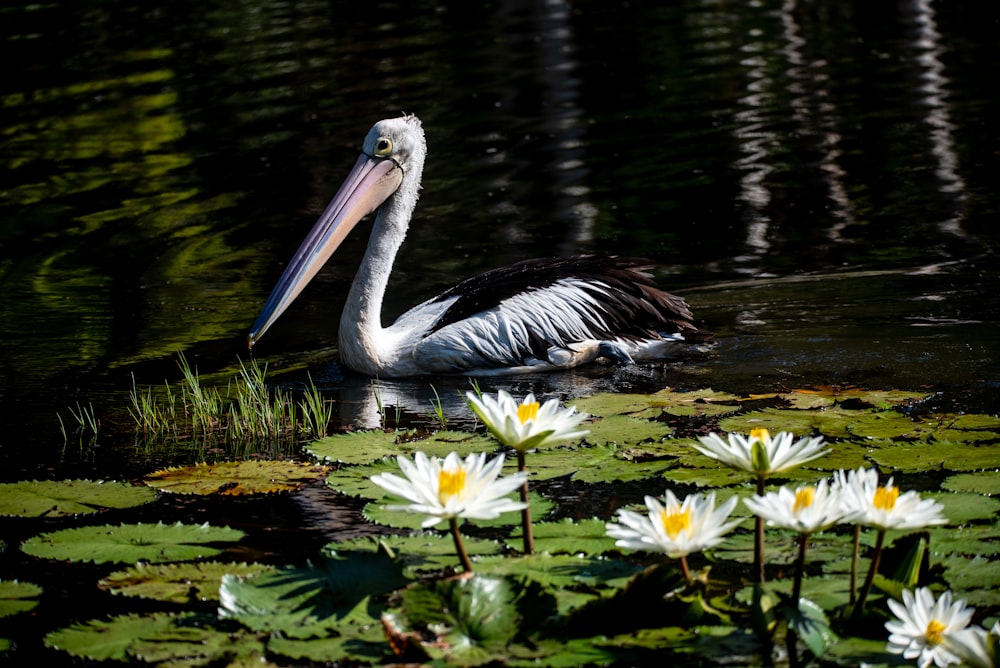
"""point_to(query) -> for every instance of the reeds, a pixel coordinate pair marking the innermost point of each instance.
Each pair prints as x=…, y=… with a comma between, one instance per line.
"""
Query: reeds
x=248, y=411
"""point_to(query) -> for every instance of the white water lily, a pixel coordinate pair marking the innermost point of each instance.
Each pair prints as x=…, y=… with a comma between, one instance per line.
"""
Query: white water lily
x=976, y=646
x=528, y=424
x=760, y=453
x=674, y=528
x=806, y=510
x=882, y=506
x=451, y=487
x=923, y=626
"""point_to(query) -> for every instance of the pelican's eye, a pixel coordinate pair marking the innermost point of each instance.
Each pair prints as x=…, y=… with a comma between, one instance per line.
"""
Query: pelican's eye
x=383, y=147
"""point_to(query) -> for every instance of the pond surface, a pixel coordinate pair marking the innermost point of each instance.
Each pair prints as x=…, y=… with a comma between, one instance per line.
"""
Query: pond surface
x=818, y=179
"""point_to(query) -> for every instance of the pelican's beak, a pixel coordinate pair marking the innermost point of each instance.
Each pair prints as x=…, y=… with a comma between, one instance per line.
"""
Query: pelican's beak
x=369, y=184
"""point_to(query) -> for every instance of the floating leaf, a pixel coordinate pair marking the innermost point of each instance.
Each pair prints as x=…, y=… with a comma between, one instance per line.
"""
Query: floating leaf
x=129, y=543
x=811, y=624
x=964, y=508
x=155, y=638
x=587, y=537
x=49, y=498
x=595, y=574
x=177, y=583
x=908, y=458
x=356, y=480
x=590, y=464
x=235, y=478
x=316, y=599
x=17, y=597
x=366, y=447
x=984, y=482
x=623, y=430
x=420, y=553
x=977, y=580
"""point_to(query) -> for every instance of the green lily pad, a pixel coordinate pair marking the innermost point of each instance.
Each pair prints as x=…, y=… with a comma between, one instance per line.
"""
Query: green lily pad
x=316, y=600
x=919, y=457
x=17, y=597
x=962, y=508
x=623, y=430
x=419, y=554
x=596, y=575
x=977, y=580
x=984, y=482
x=366, y=447
x=586, y=537
x=693, y=403
x=356, y=480
x=590, y=464
x=177, y=583
x=129, y=543
x=155, y=638
x=49, y=498
x=236, y=478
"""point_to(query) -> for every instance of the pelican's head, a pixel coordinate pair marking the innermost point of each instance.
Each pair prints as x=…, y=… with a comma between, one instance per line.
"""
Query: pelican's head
x=391, y=162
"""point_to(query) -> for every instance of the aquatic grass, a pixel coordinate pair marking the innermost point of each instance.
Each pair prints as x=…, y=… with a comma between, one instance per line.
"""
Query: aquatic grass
x=317, y=412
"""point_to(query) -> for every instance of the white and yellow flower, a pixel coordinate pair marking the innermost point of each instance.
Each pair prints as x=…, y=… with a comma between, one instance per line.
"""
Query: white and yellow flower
x=528, y=424
x=674, y=528
x=923, y=626
x=882, y=506
x=760, y=453
x=975, y=646
x=451, y=487
x=808, y=509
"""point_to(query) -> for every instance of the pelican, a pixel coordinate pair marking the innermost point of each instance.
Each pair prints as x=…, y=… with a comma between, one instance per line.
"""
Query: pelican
x=536, y=315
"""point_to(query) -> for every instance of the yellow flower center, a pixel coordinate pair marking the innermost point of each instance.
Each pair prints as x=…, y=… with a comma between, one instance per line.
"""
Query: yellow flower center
x=760, y=434
x=527, y=412
x=675, y=522
x=450, y=483
x=934, y=632
x=803, y=498
x=885, y=498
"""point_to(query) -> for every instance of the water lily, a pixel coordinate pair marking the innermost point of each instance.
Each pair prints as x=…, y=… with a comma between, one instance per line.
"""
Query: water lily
x=523, y=426
x=452, y=488
x=674, y=528
x=882, y=507
x=976, y=646
x=760, y=453
x=527, y=424
x=923, y=626
x=763, y=456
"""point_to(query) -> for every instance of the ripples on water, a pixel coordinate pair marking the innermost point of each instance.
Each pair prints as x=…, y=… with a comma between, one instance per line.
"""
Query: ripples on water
x=818, y=178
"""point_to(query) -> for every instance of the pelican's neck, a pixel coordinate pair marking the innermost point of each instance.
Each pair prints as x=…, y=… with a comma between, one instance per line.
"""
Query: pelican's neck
x=363, y=344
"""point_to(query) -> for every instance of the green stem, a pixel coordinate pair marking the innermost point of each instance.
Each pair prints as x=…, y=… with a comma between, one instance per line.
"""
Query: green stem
x=463, y=556
x=792, y=638
x=758, y=547
x=870, y=578
x=854, y=565
x=529, y=537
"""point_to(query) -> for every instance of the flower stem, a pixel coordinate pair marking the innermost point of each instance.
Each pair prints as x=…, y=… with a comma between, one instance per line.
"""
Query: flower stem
x=758, y=546
x=870, y=578
x=792, y=638
x=685, y=571
x=463, y=556
x=854, y=565
x=529, y=537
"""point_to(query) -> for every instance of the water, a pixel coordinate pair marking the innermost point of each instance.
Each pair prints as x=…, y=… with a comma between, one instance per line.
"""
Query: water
x=818, y=179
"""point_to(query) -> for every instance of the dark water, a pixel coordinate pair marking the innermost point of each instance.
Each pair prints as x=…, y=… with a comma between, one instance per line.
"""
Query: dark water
x=819, y=179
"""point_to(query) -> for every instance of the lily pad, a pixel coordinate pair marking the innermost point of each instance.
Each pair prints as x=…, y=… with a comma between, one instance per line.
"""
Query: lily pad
x=420, y=553
x=624, y=430
x=984, y=482
x=908, y=458
x=155, y=638
x=49, y=498
x=235, y=478
x=697, y=402
x=962, y=508
x=129, y=543
x=177, y=583
x=314, y=600
x=586, y=537
x=17, y=597
x=591, y=464
x=366, y=447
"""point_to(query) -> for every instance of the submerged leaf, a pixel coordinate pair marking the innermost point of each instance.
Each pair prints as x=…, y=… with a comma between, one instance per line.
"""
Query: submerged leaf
x=235, y=478
x=50, y=498
x=129, y=543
